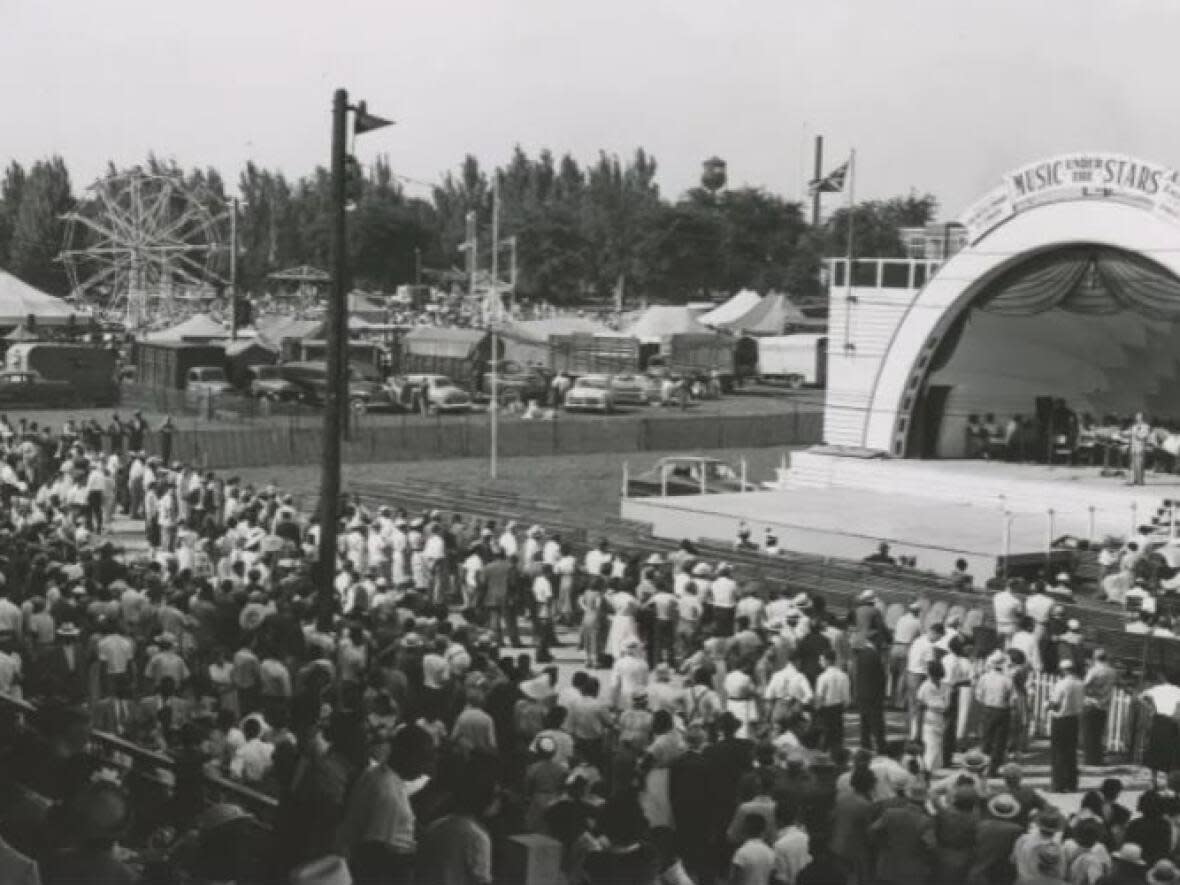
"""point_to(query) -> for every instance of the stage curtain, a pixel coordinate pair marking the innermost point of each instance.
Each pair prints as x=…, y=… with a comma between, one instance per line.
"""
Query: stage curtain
x=1085, y=280
x=1037, y=285
x=1140, y=285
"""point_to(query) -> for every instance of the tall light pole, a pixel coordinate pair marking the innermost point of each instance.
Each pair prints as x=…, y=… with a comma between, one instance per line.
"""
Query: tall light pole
x=233, y=270
x=336, y=395
x=494, y=304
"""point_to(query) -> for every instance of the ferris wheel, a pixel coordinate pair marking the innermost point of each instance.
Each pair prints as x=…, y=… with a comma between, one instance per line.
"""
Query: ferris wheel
x=143, y=243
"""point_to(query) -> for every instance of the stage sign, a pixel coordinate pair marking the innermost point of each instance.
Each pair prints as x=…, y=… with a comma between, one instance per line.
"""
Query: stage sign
x=1083, y=176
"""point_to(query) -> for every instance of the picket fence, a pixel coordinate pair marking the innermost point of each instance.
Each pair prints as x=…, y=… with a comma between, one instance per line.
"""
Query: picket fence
x=1119, y=724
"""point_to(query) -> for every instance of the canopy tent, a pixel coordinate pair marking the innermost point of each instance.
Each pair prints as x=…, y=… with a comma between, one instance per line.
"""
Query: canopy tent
x=660, y=320
x=198, y=327
x=442, y=341
x=22, y=333
x=737, y=306
x=19, y=301
x=562, y=325
x=302, y=274
x=773, y=315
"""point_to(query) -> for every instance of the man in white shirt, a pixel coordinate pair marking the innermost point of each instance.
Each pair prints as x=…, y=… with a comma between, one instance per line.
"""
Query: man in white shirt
x=1039, y=606
x=252, y=760
x=1008, y=608
x=905, y=631
x=833, y=694
x=508, y=543
x=787, y=688
x=792, y=848
x=920, y=655
x=722, y=596
x=595, y=559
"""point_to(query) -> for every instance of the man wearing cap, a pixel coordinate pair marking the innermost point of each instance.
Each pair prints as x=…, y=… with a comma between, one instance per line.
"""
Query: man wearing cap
x=1065, y=705
x=907, y=629
x=1037, y=855
x=995, y=694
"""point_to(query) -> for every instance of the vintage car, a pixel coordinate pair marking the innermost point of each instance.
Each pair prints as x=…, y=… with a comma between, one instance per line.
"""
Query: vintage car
x=30, y=388
x=687, y=475
x=515, y=383
x=428, y=394
x=310, y=379
x=267, y=382
x=592, y=393
x=635, y=390
x=207, y=381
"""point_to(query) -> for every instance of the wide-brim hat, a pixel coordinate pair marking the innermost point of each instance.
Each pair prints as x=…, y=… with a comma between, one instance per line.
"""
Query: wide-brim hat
x=537, y=689
x=68, y=631
x=1130, y=853
x=1163, y=873
x=701, y=570
x=1003, y=806
x=655, y=559
x=330, y=870
x=867, y=595
x=974, y=760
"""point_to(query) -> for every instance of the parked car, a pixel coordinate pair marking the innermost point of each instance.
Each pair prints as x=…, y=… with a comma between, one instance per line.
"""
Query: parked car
x=516, y=383
x=267, y=382
x=207, y=381
x=30, y=388
x=429, y=394
x=687, y=475
x=310, y=378
x=593, y=393
x=635, y=390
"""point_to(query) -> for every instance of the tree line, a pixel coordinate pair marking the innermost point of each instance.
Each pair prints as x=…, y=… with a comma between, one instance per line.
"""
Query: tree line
x=583, y=231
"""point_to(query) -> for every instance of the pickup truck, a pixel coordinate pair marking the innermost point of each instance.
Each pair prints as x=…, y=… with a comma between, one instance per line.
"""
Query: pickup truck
x=206, y=381
x=267, y=382
x=30, y=388
x=310, y=379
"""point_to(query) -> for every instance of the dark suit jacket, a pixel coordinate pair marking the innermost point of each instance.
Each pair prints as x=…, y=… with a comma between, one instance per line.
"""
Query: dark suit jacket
x=54, y=675
x=690, y=786
x=15, y=868
x=905, y=840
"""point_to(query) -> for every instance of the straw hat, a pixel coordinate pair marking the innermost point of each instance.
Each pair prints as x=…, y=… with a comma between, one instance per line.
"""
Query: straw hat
x=330, y=870
x=537, y=688
x=1163, y=873
x=1130, y=853
x=975, y=761
x=1003, y=806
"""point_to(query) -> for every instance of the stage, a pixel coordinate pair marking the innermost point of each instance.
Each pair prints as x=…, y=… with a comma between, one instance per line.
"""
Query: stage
x=936, y=511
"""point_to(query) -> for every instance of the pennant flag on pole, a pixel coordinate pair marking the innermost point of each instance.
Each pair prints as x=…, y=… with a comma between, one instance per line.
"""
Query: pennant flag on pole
x=366, y=122
x=832, y=183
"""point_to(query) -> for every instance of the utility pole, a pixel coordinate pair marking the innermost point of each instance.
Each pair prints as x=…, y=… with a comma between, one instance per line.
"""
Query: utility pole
x=471, y=246
x=494, y=305
x=233, y=271
x=819, y=173
x=337, y=321
x=417, y=266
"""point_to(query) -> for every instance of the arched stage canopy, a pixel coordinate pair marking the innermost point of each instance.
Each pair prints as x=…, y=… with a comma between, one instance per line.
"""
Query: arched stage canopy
x=1069, y=288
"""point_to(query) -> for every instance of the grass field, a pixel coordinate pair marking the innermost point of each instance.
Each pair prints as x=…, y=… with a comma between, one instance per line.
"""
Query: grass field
x=587, y=484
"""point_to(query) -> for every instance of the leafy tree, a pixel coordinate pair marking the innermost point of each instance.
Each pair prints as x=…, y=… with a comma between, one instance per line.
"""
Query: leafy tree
x=11, y=190
x=39, y=229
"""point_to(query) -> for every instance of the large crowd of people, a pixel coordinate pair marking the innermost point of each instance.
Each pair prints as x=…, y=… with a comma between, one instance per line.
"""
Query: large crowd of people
x=383, y=702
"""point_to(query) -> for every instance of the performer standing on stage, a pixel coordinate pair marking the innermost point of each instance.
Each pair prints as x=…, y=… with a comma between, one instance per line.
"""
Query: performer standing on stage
x=1140, y=433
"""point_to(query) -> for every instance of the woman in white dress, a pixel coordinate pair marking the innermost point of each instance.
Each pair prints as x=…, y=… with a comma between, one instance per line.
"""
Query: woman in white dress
x=623, y=627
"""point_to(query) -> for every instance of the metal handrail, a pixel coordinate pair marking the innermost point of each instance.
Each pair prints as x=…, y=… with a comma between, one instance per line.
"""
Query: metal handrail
x=240, y=793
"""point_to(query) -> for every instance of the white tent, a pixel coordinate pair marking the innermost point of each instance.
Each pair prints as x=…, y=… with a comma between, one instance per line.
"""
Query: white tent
x=737, y=306
x=660, y=320
x=198, y=327
x=19, y=301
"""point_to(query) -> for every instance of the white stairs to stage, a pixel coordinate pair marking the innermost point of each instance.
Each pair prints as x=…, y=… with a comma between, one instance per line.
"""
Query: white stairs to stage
x=1018, y=489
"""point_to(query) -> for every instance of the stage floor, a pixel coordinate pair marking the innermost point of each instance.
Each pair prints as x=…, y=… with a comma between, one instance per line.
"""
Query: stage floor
x=936, y=511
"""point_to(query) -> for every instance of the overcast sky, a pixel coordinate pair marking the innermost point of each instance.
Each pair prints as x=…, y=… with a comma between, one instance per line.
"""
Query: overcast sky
x=935, y=95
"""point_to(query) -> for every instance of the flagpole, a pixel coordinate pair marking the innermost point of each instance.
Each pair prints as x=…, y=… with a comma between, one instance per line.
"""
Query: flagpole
x=848, y=256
